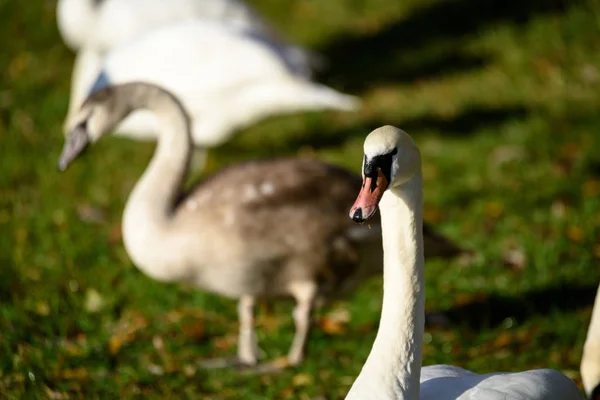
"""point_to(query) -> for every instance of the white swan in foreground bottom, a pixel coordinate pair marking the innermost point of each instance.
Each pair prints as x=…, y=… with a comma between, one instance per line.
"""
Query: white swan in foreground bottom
x=392, y=180
x=590, y=361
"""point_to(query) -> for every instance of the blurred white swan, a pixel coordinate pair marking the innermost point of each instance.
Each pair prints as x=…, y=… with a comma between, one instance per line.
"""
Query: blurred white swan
x=104, y=24
x=94, y=27
x=227, y=78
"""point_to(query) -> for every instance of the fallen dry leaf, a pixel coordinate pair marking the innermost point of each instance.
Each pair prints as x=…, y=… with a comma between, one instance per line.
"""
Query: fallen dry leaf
x=340, y=314
x=165, y=356
x=91, y=214
x=432, y=215
x=503, y=339
x=307, y=151
x=506, y=154
x=189, y=370
x=570, y=151
x=224, y=342
x=543, y=66
x=42, y=308
x=575, y=233
x=332, y=327
x=19, y=64
x=158, y=343
x=559, y=209
x=156, y=369
x=125, y=332
x=597, y=250
x=270, y=323
x=430, y=172
x=55, y=395
x=302, y=380
x=73, y=349
x=74, y=373
x=286, y=393
x=367, y=327
x=589, y=73
x=462, y=299
x=334, y=323
x=193, y=330
x=115, y=234
x=174, y=316
x=494, y=209
x=591, y=188
x=280, y=363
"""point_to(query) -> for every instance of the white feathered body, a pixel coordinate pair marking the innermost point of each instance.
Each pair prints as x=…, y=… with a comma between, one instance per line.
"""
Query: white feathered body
x=445, y=382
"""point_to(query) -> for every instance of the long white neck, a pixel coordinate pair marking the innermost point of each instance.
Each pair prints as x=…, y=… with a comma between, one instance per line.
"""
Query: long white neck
x=148, y=214
x=392, y=370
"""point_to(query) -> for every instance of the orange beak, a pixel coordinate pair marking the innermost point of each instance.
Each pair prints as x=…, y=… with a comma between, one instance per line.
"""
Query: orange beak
x=368, y=199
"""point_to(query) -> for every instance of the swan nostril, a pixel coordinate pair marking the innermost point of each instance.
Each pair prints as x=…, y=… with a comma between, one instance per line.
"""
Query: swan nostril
x=358, y=216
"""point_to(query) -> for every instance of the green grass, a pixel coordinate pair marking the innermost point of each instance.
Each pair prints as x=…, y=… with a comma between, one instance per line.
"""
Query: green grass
x=501, y=96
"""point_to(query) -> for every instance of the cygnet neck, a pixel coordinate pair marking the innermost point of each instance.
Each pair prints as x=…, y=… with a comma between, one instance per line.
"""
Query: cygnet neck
x=148, y=214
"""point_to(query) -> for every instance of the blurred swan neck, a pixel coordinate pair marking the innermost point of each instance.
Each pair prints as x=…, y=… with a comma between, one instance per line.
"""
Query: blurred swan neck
x=148, y=215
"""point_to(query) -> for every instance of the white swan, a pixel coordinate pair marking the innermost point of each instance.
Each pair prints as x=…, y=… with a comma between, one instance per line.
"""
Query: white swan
x=94, y=27
x=226, y=78
x=392, y=180
x=590, y=360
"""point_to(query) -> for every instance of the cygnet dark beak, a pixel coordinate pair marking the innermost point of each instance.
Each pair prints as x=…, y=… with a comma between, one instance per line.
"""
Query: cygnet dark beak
x=74, y=145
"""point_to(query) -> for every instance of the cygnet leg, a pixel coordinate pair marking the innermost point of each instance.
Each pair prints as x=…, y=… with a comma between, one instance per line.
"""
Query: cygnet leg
x=247, y=343
x=304, y=293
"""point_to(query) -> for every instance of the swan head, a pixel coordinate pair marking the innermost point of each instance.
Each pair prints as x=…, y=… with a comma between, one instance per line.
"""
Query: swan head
x=391, y=159
x=100, y=113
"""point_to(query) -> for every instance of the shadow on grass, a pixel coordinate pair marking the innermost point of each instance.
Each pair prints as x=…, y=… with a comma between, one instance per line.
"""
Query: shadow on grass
x=396, y=53
x=465, y=124
x=491, y=311
x=322, y=137
x=11, y=282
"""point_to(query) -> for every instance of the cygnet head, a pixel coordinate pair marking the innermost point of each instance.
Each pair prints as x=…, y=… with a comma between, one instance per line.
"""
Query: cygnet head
x=391, y=159
x=99, y=114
